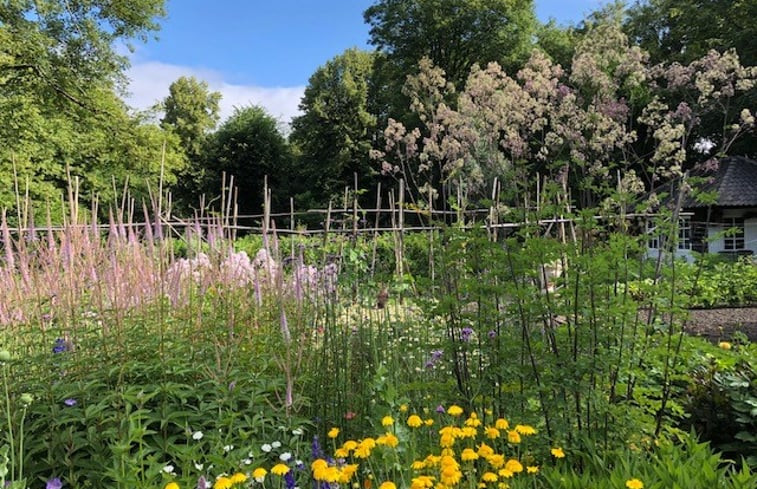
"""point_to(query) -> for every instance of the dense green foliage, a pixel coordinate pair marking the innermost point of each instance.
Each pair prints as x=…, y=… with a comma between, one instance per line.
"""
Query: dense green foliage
x=336, y=130
x=59, y=111
x=248, y=147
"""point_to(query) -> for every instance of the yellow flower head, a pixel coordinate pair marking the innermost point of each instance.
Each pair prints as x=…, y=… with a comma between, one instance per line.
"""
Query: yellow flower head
x=725, y=345
x=634, y=484
x=387, y=421
x=501, y=424
x=496, y=460
x=222, y=483
x=485, y=450
x=403, y=408
x=422, y=482
x=387, y=485
x=489, y=477
x=172, y=485
x=455, y=410
x=525, y=429
x=318, y=464
x=237, y=478
x=557, y=452
x=388, y=440
x=468, y=455
x=428, y=422
x=333, y=433
x=491, y=432
x=341, y=452
x=506, y=473
x=349, y=445
x=418, y=465
x=513, y=436
x=514, y=466
x=532, y=469
x=473, y=421
x=260, y=473
x=347, y=472
x=414, y=421
x=279, y=469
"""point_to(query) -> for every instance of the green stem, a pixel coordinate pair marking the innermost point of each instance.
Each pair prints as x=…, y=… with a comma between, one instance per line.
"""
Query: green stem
x=10, y=422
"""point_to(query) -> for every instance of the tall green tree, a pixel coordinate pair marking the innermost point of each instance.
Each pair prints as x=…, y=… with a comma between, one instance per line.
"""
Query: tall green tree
x=684, y=30
x=191, y=112
x=249, y=146
x=336, y=130
x=454, y=34
x=60, y=114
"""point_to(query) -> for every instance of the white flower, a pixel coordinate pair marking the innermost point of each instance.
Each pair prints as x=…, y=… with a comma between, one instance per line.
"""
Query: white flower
x=228, y=448
x=168, y=469
x=276, y=444
x=197, y=435
x=247, y=461
x=284, y=457
x=297, y=432
x=266, y=448
x=199, y=466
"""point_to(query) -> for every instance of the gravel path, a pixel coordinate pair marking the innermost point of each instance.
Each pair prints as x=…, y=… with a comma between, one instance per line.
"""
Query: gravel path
x=720, y=324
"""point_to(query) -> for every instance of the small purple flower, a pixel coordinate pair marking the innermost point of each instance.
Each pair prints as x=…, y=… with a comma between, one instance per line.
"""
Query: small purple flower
x=60, y=345
x=289, y=480
x=492, y=334
x=202, y=483
x=440, y=409
x=316, y=448
x=54, y=483
x=70, y=402
x=232, y=384
x=465, y=334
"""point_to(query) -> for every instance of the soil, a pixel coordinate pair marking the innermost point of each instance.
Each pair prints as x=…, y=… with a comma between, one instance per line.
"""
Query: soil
x=720, y=324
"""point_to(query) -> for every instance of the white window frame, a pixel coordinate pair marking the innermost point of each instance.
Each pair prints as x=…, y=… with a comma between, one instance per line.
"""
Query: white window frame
x=734, y=241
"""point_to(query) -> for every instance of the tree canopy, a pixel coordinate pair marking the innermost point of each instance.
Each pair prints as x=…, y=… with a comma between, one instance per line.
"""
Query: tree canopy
x=337, y=128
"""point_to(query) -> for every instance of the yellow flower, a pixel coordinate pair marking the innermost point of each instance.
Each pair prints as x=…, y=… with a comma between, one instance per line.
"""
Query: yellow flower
x=387, y=421
x=222, y=483
x=491, y=432
x=403, y=408
x=485, y=450
x=349, y=445
x=468, y=432
x=468, y=455
x=428, y=422
x=414, y=421
x=260, y=473
x=418, y=465
x=422, y=482
x=496, y=460
x=341, y=452
x=318, y=464
x=237, y=478
x=525, y=429
x=455, y=410
x=489, y=477
x=172, y=485
x=501, y=424
x=388, y=439
x=347, y=472
x=473, y=420
x=513, y=436
x=514, y=466
x=634, y=484
x=724, y=345
x=532, y=469
x=557, y=452
x=506, y=473
x=333, y=433
x=279, y=469
x=387, y=485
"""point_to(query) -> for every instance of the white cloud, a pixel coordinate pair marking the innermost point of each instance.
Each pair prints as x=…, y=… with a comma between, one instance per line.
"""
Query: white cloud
x=149, y=82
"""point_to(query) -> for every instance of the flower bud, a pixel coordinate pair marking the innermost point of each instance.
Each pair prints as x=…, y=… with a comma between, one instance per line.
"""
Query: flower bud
x=5, y=356
x=26, y=398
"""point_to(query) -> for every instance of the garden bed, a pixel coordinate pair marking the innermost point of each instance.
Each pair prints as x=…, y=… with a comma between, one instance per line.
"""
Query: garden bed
x=721, y=323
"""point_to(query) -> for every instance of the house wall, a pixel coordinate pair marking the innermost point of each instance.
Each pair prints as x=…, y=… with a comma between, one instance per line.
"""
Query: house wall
x=716, y=243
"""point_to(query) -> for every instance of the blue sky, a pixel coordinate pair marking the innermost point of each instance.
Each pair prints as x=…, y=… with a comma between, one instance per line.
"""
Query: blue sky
x=264, y=51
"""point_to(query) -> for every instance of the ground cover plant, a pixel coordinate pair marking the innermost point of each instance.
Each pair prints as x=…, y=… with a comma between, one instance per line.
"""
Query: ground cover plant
x=127, y=366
